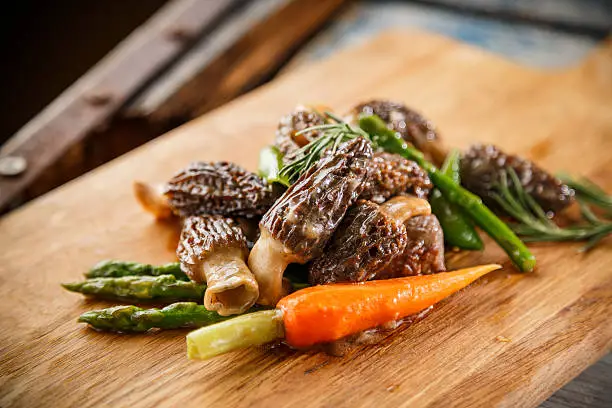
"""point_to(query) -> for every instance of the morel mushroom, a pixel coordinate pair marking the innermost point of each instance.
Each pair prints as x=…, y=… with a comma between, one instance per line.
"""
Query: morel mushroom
x=298, y=226
x=413, y=127
x=391, y=174
x=301, y=118
x=214, y=249
x=153, y=200
x=368, y=238
x=482, y=165
x=218, y=188
x=424, y=252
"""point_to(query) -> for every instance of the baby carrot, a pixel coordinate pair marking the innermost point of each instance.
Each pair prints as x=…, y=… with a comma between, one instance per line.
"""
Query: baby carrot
x=326, y=313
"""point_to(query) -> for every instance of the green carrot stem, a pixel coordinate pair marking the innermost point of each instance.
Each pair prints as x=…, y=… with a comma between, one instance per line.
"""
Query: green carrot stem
x=244, y=331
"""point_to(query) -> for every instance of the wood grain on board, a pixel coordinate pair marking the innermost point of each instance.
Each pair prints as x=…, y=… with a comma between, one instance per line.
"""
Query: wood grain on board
x=556, y=319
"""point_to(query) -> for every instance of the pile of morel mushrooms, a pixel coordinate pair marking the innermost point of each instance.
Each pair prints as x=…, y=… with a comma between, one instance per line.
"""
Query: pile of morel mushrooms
x=370, y=196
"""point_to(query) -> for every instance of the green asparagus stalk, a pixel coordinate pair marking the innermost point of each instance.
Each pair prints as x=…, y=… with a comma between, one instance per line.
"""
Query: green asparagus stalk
x=458, y=229
x=244, y=331
x=133, y=319
x=471, y=204
x=116, y=269
x=140, y=288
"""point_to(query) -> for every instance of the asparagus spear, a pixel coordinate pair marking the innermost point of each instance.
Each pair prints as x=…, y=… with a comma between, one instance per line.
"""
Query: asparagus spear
x=116, y=269
x=133, y=319
x=139, y=288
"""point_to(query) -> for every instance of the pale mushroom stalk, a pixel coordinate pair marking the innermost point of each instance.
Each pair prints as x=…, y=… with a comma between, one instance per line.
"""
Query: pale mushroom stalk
x=268, y=260
x=152, y=199
x=404, y=207
x=214, y=249
x=299, y=225
x=230, y=285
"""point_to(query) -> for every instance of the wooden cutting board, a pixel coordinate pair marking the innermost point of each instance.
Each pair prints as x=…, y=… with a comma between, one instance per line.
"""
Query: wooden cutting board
x=553, y=323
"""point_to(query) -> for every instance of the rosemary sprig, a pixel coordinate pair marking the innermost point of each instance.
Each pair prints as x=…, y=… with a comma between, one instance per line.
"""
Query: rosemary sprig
x=589, y=192
x=333, y=135
x=532, y=223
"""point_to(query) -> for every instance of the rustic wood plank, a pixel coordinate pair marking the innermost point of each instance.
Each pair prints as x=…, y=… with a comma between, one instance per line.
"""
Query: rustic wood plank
x=203, y=53
x=105, y=88
x=557, y=319
x=253, y=58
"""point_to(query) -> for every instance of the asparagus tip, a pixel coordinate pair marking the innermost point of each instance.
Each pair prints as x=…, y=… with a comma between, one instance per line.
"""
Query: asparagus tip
x=72, y=286
x=86, y=317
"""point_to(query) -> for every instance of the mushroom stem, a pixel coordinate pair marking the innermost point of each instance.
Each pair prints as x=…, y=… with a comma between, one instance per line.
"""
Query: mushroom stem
x=152, y=200
x=230, y=286
x=404, y=207
x=268, y=260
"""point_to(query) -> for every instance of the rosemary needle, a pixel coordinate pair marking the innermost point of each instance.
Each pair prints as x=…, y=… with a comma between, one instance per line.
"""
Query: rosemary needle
x=334, y=134
x=588, y=191
x=532, y=223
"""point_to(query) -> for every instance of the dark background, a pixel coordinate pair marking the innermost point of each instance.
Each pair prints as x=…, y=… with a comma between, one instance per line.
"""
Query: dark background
x=47, y=45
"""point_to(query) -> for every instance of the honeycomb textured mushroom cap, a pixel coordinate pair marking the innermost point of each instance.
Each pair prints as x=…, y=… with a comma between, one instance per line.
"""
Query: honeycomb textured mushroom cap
x=412, y=126
x=481, y=166
x=364, y=243
x=391, y=174
x=203, y=236
x=424, y=251
x=301, y=118
x=307, y=214
x=220, y=188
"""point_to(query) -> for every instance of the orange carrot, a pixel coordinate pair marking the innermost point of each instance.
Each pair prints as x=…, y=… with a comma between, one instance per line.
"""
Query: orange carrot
x=326, y=313
x=329, y=312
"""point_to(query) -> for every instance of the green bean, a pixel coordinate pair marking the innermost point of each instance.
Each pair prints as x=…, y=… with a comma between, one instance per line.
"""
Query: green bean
x=458, y=230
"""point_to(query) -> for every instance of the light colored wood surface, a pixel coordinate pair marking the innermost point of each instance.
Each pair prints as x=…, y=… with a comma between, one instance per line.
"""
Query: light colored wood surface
x=557, y=318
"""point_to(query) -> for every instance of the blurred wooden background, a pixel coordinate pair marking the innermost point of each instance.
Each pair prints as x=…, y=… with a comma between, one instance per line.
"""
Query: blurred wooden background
x=86, y=81
x=166, y=61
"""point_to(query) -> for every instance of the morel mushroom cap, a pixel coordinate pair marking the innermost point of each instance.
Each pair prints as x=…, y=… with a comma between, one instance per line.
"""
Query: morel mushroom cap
x=368, y=238
x=298, y=226
x=307, y=214
x=391, y=174
x=218, y=188
x=482, y=165
x=424, y=252
x=301, y=118
x=413, y=127
x=214, y=249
